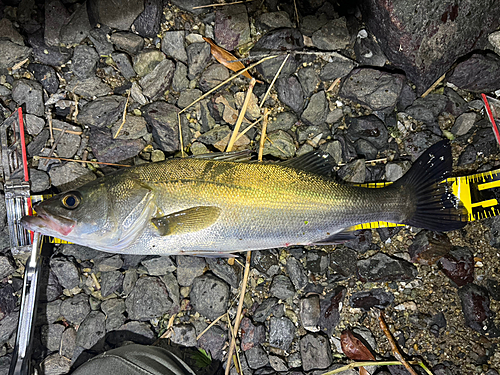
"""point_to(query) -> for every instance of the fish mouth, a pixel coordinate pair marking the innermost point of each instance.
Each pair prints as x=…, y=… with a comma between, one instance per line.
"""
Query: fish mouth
x=46, y=223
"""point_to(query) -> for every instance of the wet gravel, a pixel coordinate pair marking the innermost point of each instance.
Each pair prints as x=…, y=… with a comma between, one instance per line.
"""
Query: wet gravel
x=81, y=65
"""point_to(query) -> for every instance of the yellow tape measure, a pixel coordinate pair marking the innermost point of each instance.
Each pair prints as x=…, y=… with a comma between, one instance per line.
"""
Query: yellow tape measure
x=477, y=193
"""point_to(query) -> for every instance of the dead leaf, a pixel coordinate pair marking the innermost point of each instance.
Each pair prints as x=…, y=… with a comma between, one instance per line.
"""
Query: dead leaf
x=353, y=348
x=224, y=57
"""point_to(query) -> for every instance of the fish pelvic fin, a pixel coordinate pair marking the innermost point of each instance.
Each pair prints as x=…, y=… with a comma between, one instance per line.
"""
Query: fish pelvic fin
x=433, y=204
x=191, y=220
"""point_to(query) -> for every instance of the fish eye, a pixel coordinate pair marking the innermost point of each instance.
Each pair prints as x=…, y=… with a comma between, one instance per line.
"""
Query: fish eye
x=71, y=200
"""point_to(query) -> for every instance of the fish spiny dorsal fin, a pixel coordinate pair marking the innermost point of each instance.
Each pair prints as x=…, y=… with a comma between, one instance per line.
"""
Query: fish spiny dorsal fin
x=234, y=156
x=318, y=162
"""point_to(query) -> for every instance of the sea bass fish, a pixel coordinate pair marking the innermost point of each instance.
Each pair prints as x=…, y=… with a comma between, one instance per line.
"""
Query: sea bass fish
x=205, y=206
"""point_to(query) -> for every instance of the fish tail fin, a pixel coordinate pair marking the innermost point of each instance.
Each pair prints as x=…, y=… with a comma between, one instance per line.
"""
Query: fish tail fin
x=434, y=206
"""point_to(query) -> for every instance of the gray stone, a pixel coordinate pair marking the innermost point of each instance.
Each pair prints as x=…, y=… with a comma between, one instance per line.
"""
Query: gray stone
x=129, y=280
x=209, y=296
x=38, y=143
x=315, y=352
x=343, y=263
x=92, y=329
x=88, y=88
x=70, y=174
x=464, y=123
x=68, y=342
x=106, y=11
x=99, y=38
x=374, y=88
x=416, y=143
x=198, y=55
x=66, y=272
x=297, y=273
x=114, y=309
x=69, y=143
x=213, y=341
x=75, y=309
x=338, y=68
x=84, y=61
x=34, y=124
x=284, y=121
x=6, y=266
x=31, y=93
x=133, y=128
x=354, y=171
x=112, y=150
x=394, y=171
x=290, y=93
x=158, y=80
x=147, y=24
x=264, y=309
x=282, y=287
x=368, y=51
x=369, y=128
x=8, y=31
x=184, y=335
x=138, y=332
x=12, y=53
x=281, y=333
x=310, y=24
x=51, y=335
x=180, y=81
x=277, y=363
x=147, y=60
x=77, y=28
x=162, y=119
x=274, y=20
x=172, y=45
x=282, y=145
x=43, y=53
x=149, y=299
x=277, y=40
x=188, y=268
x=334, y=148
x=223, y=270
x=102, y=112
x=332, y=36
x=8, y=326
x=46, y=75
x=172, y=286
x=55, y=364
x=214, y=135
x=381, y=267
x=366, y=300
x=308, y=79
x=188, y=5
x=187, y=97
x=317, y=109
x=231, y=26
x=310, y=133
x=109, y=263
x=127, y=42
x=310, y=313
x=39, y=180
x=123, y=63
x=111, y=282
x=159, y=266
x=256, y=357
x=214, y=75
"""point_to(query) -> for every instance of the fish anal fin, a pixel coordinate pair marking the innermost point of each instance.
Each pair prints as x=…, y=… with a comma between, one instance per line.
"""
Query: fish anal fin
x=337, y=238
x=191, y=220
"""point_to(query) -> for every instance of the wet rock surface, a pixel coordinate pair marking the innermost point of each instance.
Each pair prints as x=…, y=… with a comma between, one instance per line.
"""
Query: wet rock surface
x=105, y=82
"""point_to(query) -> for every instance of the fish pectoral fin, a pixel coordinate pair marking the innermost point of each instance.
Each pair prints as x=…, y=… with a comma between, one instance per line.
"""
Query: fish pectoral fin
x=337, y=238
x=191, y=220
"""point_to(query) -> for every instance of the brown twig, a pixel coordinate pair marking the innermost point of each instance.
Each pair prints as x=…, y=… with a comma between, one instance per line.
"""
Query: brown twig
x=210, y=326
x=334, y=84
x=238, y=313
x=220, y=5
x=263, y=135
x=19, y=64
x=241, y=116
x=296, y=12
x=51, y=129
x=82, y=161
x=274, y=80
x=392, y=343
x=248, y=128
x=237, y=362
x=68, y=131
x=434, y=85
x=124, y=116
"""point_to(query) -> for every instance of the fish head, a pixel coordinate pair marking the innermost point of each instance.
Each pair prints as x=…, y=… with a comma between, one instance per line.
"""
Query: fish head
x=75, y=214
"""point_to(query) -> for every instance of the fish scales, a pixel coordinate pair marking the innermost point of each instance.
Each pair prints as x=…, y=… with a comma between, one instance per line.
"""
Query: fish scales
x=211, y=207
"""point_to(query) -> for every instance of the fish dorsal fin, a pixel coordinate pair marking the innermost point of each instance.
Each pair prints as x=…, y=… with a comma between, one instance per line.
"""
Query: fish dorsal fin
x=191, y=220
x=318, y=162
x=235, y=156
